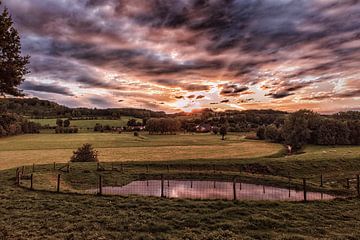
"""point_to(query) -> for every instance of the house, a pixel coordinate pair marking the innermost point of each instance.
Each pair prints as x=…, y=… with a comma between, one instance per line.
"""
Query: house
x=203, y=128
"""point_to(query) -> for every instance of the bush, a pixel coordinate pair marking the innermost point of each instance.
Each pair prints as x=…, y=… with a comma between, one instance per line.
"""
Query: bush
x=98, y=127
x=86, y=153
x=136, y=134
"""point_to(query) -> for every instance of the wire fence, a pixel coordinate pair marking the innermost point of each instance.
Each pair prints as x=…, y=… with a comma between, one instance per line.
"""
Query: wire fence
x=121, y=180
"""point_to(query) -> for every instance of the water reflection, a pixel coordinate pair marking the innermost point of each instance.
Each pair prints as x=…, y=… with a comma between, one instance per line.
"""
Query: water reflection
x=211, y=190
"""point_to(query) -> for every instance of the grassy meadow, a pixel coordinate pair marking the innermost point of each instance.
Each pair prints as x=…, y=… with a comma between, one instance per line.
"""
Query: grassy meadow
x=26, y=214
x=49, y=148
x=86, y=123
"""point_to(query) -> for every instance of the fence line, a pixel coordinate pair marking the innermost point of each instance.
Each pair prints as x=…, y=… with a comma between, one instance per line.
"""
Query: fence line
x=235, y=189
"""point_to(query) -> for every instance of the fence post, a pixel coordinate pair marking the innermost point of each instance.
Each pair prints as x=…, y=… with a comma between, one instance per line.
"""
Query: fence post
x=33, y=167
x=58, y=183
x=100, y=185
x=16, y=174
x=358, y=185
x=321, y=180
x=191, y=184
x=147, y=168
x=112, y=166
x=289, y=185
x=162, y=185
x=214, y=168
x=121, y=168
x=347, y=183
x=54, y=166
x=97, y=166
x=234, y=188
x=18, y=177
x=31, y=182
x=68, y=168
x=168, y=168
x=22, y=170
x=304, y=186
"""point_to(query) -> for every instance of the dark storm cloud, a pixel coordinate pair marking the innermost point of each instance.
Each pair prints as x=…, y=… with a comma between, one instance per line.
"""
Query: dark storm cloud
x=232, y=89
x=46, y=88
x=185, y=86
x=280, y=95
x=345, y=94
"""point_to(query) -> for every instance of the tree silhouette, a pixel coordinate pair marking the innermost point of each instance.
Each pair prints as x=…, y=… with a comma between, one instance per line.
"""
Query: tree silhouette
x=12, y=64
x=223, y=132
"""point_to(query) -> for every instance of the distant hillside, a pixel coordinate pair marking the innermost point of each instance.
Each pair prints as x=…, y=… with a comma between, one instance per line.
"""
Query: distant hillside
x=36, y=108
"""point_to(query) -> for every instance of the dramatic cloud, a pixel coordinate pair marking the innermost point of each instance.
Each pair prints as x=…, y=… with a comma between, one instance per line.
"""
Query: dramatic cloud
x=47, y=88
x=186, y=54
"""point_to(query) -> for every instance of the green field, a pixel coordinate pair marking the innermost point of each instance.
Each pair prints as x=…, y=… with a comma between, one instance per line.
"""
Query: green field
x=49, y=148
x=86, y=123
x=26, y=214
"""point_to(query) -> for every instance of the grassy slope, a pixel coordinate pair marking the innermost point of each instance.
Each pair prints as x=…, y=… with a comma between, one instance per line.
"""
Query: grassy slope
x=47, y=148
x=42, y=215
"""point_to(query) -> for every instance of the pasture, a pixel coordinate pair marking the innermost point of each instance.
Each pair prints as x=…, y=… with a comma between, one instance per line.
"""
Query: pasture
x=86, y=123
x=49, y=148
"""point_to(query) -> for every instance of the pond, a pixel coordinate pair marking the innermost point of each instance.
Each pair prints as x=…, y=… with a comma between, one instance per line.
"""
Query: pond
x=211, y=190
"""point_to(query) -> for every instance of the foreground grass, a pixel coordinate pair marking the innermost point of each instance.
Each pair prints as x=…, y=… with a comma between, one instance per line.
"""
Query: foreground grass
x=43, y=215
x=49, y=148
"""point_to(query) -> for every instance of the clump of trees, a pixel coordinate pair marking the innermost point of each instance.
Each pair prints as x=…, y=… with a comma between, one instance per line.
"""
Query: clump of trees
x=307, y=127
x=12, y=124
x=63, y=126
x=86, y=153
x=163, y=125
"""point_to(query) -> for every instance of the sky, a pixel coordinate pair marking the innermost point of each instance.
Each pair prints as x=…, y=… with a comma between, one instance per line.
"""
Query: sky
x=182, y=55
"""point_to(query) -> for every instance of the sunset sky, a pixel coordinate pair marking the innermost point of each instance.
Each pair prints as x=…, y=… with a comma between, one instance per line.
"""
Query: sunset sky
x=178, y=55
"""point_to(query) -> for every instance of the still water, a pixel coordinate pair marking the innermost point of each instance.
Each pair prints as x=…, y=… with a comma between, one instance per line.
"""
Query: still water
x=211, y=190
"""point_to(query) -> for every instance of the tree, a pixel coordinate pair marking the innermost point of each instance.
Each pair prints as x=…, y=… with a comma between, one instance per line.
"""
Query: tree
x=223, y=132
x=295, y=130
x=12, y=64
x=272, y=133
x=163, y=125
x=67, y=123
x=86, y=153
x=260, y=133
x=59, y=122
x=215, y=130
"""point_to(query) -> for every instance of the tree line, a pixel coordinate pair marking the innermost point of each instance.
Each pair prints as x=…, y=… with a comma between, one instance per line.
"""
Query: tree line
x=163, y=125
x=307, y=127
x=12, y=124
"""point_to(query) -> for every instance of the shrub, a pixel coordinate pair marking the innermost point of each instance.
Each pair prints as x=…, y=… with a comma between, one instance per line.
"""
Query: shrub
x=98, y=127
x=66, y=123
x=136, y=134
x=86, y=153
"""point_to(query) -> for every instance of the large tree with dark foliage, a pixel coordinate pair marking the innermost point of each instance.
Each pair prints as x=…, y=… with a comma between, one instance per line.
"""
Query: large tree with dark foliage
x=295, y=130
x=12, y=64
